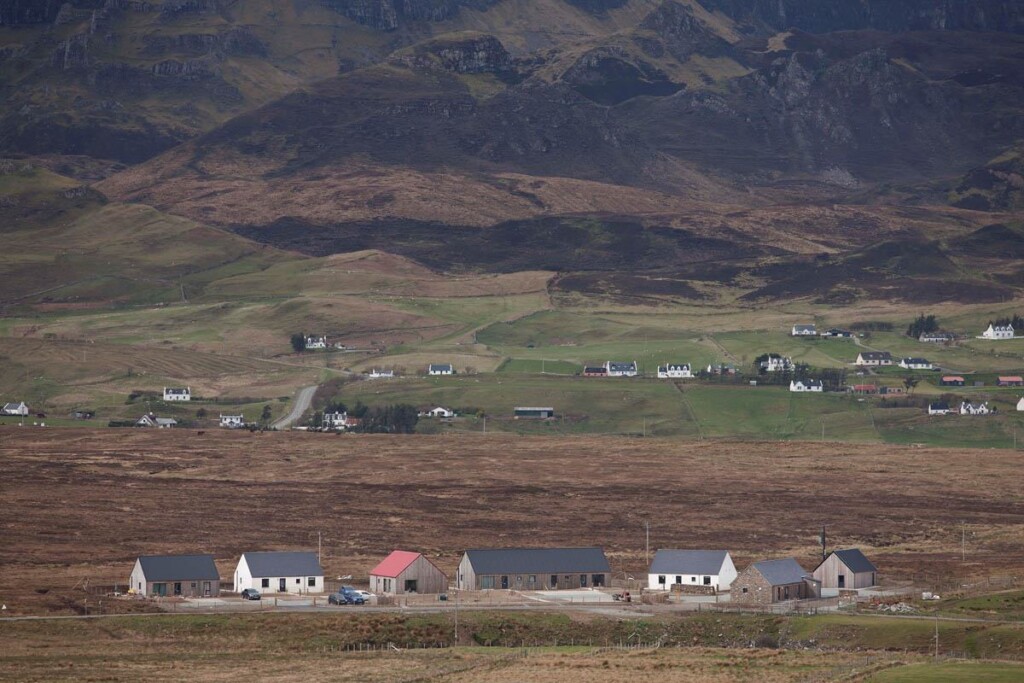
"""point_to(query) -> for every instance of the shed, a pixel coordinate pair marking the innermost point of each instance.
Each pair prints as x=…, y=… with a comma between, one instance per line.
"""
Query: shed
x=773, y=581
x=711, y=569
x=280, y=572
x=952, y=381
x=846, y=569
x=533, y=569
x=190, y=576
x=407, y=572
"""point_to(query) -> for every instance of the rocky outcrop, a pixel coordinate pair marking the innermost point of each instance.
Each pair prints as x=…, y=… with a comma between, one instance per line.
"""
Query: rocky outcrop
x=388, y=15
x=470, y=55
x=171, y=9
x=71, y=53
x=682, y=33
x=235, y=41
x=610, y=75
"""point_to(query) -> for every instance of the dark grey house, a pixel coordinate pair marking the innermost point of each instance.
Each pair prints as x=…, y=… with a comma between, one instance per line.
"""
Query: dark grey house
x=185, y=575
x=533, y=569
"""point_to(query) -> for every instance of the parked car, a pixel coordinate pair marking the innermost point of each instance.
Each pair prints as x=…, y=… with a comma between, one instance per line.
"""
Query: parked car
x=250, y=594
x=343, y=598
x=365, y=594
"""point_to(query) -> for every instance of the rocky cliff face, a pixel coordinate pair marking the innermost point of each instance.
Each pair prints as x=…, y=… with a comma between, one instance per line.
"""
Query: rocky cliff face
x=388, y=15
x=468, y=55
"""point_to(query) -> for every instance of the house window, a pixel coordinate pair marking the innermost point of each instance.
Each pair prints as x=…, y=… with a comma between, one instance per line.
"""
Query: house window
x=744, y=590
x=519, y=579
x=693, y=579
x=486, y=582
x=532, y=580
x=298, y=581
x=707, y=580
x=679, y=580
x=554, y=581
x=583, y=580
x=265, y=583
x=661, y=579
x=311, y=582
x=193, y=585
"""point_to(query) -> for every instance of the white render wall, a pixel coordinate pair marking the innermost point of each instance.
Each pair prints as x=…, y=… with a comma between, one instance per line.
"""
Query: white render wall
x=721, y=581
x=244, y=579
x=138, y=579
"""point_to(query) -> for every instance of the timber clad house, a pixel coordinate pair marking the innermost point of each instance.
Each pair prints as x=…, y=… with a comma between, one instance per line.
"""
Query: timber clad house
x=771, y=581
x=846, y=569
x=710, y=570
x=283, y=572
x=404, y=572
x=190, y=576
x=533, y=569
x=874, y=358
x=177, y=394
x=1010, y=381
x=595, y=371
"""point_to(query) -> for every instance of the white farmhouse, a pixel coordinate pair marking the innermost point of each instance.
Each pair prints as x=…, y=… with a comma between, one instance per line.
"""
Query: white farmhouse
x=232, y=421
x=339, y=421
x=316, y=342
x=16, y=409
x=674, y=371
x=938, y=408
x=998, y=332
x=441, y=369
x=616, y=369
x=801, y=385
x=151, y=420
x=439, y=411
x=380, y=374
x=712, y=569
x=177, y=393
x=286, y=572
x=916, y=364
x=968, y=408
x=874, y=358
x=804, y=331
x=777, y=364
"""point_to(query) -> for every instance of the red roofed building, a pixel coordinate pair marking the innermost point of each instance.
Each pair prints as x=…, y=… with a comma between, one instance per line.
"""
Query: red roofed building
x=865, y=389
x=1011, y=381
x=952, y=381
x=407, y=572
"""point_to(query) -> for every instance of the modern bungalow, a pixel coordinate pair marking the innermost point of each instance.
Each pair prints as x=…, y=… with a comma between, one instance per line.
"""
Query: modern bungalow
x=705, y=569
x=280, y=572
x=616, y=369
x=968, y=408
x=874, y=358
x=804, y=331
x=865, y=389
x=177, y=393
x=939, y=408
x=533, y=412
x=997, y=332
x=439, y=411
x=952, y=381
x=916, y=364
x=151, y=420
x=190, y=576
x=533, y=569
x=232, y=421
x=846, y=569
x=773, y=581
x=674, y=371
x=801, y=385
x=1010, y=381
x=441, y=369
x=19, y=409
x=407, y=572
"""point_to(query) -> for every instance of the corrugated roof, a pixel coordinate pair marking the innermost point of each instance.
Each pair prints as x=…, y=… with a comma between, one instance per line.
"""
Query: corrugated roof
x=395, y=563
x=538, y=560
x=179, y=567
x=781, y=572
x=276, y=564
x=854, y=560
x=688, y=561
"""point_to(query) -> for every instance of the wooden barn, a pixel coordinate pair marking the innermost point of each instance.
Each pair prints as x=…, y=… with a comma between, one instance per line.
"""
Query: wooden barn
x=404, y=572
x=534, y=569
x=846, y=569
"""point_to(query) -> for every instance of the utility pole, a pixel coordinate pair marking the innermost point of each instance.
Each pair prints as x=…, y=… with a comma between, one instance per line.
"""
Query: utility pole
x=485, y=424
x=318, y=546
x=647, y=533
x=936, y=637
x=456, y=616
x=963, y=541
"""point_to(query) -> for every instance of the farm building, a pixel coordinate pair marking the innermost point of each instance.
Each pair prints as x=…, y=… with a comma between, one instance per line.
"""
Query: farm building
x=407, y=572
x=616, y=369
x=1010, y=381
x=316, y=342
x=938, y=408
x=874, y=358
x=997, y=332
x=177, y=393
x=595, y=371
x=536, y=413
x=280, y=572
x=764, y=583
x=865, y=389
x=802, y=385
x=720, y=369
x=533, y=569
x=846, y=569
x=440, y=369
x=952, y=381
x=707, y=569
x=20, y=409
x=151, y=420
x=916, y=364
x=804, y=331
x=189, y=576
x=674, y=371
x=232, y=421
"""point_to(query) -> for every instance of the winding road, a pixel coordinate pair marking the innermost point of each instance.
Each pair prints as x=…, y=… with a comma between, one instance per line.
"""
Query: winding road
x=302, y=402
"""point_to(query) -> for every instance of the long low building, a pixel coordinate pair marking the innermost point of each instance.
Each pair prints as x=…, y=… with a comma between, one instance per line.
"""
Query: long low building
x=280, y=572
x=189, y=576
x=689, y=569
x=533, y=569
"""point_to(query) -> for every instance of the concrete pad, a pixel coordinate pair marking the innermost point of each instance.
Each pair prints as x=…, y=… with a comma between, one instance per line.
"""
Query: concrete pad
x=571, y=596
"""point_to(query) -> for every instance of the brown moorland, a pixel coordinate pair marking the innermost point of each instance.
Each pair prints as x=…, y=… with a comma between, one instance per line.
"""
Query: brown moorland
x=83, y=503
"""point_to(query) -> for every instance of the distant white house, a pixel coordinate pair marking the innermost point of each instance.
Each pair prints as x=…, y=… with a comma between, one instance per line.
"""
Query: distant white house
x=837, y=333
x=18, y=408
x=777, y=364
x=998, y=332
x=380, y=374
x=674, y=371
x=709, y=568
x=439, y=411
x=177, y=394
x=316, y=342
x=441, y=369
x=936, y=337
x=269, y=572
x=151, y=420
x=968, y=408
x=337, y=421
x=874, y=358
x=1020, y=405
x=616, y=369
x=232, y=421
x=916, y=364
x=804, y=331
x=801, y=385
x=938, y=408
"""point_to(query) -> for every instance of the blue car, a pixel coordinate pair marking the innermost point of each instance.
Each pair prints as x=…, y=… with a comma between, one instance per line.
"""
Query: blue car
x=345, y=597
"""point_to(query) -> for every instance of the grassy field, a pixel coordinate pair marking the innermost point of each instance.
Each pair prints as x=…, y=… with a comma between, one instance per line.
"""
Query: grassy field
x=952, y=672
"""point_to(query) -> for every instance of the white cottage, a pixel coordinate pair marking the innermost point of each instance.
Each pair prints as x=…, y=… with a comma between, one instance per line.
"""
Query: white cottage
x=916, y=364
x=177, y=393
x=16, y=409
x=232, y=421
x=998, y=332
x=802, y=385
x=968, y=408
x=777, y=364
x=316, y=342
x=280, y=572
x=675, y=371
x=804, y=331
x=874, y=358
x=617, y=369
x=439, y=411
x=710, y=569
x=437, y=369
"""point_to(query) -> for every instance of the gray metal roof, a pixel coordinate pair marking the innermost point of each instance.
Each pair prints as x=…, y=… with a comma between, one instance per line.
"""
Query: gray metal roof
x=804, y=327
x=621, y=367
x=274, y=564
x=875, y=355
x=688, y=561
x=854, y=560
x=538, y=560
x=781, y=572
x=179, y=567
x=439, y=367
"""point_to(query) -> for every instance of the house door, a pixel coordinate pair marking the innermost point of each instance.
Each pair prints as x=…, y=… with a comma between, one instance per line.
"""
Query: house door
x=177, y=587
x=206, y=588
x=504, y=583
x=583, y=580
x=282, y=585
x=842, y=580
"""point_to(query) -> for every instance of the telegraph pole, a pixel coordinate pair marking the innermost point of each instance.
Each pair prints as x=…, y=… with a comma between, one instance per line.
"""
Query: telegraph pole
x=318, y=546
x=647, y=533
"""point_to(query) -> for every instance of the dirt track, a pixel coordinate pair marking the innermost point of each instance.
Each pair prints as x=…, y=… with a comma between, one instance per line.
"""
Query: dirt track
x=84, y=503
